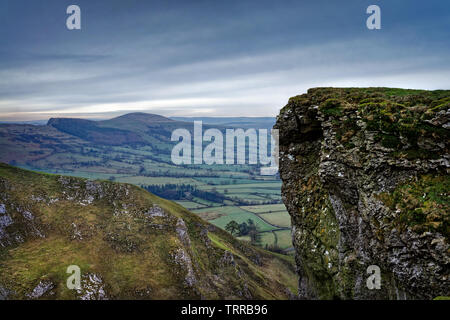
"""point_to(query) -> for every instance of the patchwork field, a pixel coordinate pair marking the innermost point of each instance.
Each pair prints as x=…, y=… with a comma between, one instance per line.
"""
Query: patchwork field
x=230, y=213
x=281, y=218
x=140, y=180
x=266, y=208
x=190, y=204
x=245, y=196
x=272, y=220
x=281, y=237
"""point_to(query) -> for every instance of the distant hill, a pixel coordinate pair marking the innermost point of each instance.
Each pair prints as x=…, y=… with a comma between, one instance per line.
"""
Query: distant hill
x=128, y=243
x=234, y=122
x=132, y=128
x=142, y=117
x=34, y=122
x=93, y=131
x=28, y=143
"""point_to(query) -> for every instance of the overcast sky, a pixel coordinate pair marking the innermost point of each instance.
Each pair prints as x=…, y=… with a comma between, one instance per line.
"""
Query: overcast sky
x=210, y=58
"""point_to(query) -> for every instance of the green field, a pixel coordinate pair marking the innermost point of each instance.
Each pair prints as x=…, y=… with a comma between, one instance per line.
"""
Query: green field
x=265, y=208
x=237, y=214
x=284, y=238
x=248, y=187
x=88, y=175
x=267, y=216
x=246, y=196
x=267, y=238
x=281, y=218
x=190, y=204
x=205, y=202
x=224, y=181
x=140, y=180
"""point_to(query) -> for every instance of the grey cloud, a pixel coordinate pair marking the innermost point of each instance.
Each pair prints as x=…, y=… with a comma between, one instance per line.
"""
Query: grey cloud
x=216, y=58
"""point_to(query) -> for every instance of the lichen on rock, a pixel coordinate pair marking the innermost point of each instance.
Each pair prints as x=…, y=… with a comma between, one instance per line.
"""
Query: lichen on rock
x=92, y=288
x=44, y=287
x=183, y=260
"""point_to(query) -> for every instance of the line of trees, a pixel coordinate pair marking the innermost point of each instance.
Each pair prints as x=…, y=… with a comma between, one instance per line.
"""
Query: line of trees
x=188, y=192
x=184, y=192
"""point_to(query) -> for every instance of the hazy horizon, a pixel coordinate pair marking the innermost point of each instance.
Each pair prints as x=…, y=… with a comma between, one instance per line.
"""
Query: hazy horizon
x=181, y=58
x=115, y=115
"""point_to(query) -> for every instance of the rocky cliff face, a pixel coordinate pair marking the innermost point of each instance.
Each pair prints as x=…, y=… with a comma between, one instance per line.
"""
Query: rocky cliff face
x=365, y=180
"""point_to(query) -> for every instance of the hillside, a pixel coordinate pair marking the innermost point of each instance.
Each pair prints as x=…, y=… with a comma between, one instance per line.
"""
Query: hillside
x=136, y=148
x=365, y=176
x=129, y=129
x=128, y=243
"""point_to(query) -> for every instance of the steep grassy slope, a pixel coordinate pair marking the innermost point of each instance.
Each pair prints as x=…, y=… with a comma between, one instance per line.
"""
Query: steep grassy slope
x=128, y=243
x=24, y=143
x=92, y=131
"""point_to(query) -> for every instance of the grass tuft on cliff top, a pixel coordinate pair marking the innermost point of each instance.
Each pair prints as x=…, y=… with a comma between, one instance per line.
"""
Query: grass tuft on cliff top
x=402, y=119
x=422, y=204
